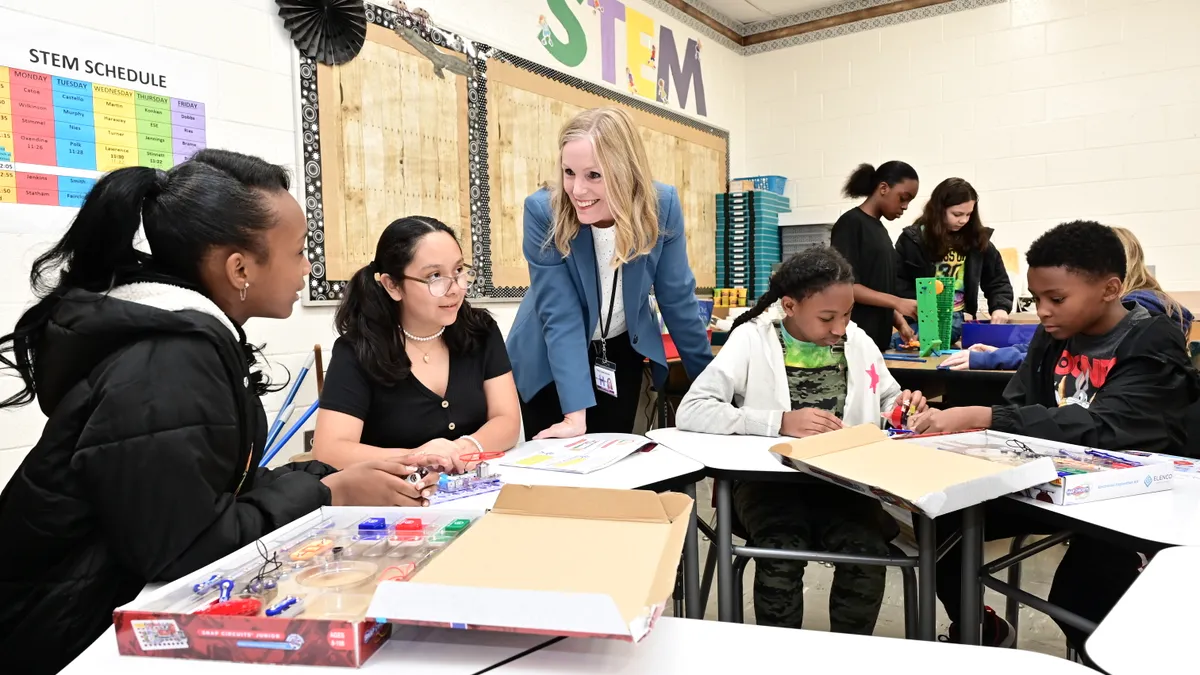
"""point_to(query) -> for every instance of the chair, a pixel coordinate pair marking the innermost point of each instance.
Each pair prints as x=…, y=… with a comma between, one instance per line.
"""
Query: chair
x=319, y=366
x=908, y=575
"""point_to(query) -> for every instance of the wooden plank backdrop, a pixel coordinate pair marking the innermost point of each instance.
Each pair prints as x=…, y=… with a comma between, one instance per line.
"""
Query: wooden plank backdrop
x=526, y=112
x=386, y=138
x=394, y=144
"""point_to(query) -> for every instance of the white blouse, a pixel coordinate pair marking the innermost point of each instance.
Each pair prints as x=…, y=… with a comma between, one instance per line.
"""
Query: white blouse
x=605, y=240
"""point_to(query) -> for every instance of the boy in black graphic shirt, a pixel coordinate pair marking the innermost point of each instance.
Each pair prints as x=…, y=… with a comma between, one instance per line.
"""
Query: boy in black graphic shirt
x=1099, y=373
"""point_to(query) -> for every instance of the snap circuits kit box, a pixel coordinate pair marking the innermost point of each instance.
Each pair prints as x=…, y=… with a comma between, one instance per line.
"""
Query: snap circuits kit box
x=326, y=589
x=297, y=596
x=1084, y=474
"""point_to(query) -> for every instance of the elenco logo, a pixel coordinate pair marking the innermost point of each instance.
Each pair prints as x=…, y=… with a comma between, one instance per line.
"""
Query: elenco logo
x=1080, y=491
x=1160, y=478
x=1148, y=481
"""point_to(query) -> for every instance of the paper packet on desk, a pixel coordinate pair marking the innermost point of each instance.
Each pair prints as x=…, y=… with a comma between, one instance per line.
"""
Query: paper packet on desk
x=582, y=455
x=910, y=475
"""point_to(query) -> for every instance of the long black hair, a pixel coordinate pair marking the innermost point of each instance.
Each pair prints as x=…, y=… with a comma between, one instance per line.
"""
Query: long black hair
x=805, y=273
x=368, y=317
x=214, y=199
x=937, y=236
x=865, y=178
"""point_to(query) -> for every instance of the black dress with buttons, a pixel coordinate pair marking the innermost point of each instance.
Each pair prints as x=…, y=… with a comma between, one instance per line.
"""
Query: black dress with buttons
x=408, y=414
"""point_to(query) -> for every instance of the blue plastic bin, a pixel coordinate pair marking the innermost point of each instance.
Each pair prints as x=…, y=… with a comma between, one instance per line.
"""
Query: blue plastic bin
x=774, y=184
x=997, y=335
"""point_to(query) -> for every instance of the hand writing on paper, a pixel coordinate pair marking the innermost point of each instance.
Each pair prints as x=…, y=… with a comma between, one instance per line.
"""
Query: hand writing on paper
x=808, y=422
x=573, y=424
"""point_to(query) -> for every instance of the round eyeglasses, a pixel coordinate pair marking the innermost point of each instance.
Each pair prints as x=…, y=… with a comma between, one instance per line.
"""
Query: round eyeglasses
x=441, y=285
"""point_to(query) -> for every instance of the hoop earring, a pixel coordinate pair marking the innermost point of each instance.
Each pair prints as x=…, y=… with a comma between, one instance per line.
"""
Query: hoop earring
x=244, y=289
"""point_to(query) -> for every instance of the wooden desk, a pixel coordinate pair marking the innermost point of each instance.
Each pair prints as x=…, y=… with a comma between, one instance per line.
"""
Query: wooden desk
x=955, y=387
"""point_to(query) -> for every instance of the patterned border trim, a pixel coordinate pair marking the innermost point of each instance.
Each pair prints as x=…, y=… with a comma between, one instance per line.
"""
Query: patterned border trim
x=322, y=289
x=673, y=12
x=813, y=15
x=868, y=24
x=747, y=29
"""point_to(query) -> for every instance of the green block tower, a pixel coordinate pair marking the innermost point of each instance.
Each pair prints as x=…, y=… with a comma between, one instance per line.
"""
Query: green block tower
x=935, y=313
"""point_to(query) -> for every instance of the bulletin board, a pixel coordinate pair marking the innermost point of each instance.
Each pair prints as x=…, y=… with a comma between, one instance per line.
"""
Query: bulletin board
x=385, y=137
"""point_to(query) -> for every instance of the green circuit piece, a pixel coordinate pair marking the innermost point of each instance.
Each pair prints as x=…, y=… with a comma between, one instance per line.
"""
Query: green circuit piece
x=935, y=313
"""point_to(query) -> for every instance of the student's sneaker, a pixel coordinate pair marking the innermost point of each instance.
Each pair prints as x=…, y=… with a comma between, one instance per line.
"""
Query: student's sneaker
x=996, y=632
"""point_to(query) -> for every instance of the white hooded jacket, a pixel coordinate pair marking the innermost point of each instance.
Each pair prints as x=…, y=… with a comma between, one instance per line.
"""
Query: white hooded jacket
x=745, y=389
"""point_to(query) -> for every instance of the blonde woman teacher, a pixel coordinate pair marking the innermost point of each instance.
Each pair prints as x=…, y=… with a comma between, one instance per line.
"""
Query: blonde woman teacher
x=596, y=243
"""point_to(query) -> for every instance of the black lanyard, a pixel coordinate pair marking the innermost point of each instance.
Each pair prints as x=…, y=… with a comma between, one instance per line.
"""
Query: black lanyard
x=605, y=325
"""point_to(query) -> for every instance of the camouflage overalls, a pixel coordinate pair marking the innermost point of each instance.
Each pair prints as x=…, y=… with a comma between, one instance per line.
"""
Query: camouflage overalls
x=813, y=514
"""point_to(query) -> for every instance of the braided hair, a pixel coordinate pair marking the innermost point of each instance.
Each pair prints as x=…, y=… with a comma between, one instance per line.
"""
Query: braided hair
x=806, y=273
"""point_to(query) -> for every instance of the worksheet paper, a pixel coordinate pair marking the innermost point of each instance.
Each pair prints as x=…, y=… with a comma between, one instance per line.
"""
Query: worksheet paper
x=582, y=454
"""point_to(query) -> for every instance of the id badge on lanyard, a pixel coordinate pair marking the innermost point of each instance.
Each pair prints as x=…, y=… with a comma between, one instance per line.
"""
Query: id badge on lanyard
x=604, y=372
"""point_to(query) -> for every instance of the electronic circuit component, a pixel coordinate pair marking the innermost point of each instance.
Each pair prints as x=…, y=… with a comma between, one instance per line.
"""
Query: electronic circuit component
x=287, y=607
x=207, y=585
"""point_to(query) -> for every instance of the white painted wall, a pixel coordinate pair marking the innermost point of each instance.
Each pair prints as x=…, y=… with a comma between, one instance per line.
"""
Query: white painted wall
x=242, y=47
x=1053, y=109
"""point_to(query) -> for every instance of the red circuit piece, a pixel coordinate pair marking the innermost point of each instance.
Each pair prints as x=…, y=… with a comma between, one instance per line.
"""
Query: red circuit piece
x=235, y=607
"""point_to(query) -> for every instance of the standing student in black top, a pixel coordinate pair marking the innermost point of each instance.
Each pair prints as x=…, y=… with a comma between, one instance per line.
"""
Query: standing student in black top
x=949, y=240
x=147, y=469
x=861, y=237
x=417, y=370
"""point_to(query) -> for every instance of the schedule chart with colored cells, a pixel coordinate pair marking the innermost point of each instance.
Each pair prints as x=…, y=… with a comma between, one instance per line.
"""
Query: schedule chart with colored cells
x=89, y=128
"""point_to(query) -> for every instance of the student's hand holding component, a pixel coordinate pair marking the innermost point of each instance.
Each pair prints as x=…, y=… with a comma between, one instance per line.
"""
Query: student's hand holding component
x=379, y=483
x=934, y=421
x=440, y=454
x=808, y=422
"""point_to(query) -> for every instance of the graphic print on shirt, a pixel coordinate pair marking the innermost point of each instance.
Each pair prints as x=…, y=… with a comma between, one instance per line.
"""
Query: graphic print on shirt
x=1079, y=377
x=816, y=375
x=953, y=266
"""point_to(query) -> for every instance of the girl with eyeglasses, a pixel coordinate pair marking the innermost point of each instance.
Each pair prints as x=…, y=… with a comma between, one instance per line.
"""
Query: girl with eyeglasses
x=417, y=371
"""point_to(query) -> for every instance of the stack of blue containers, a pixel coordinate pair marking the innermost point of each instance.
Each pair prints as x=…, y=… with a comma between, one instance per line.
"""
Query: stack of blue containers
x=748, y=239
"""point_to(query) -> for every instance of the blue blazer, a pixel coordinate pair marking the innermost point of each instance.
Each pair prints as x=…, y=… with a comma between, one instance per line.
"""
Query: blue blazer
x=559, y=312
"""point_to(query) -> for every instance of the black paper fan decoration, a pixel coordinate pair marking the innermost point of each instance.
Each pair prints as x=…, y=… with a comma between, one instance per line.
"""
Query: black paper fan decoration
x=330, y=31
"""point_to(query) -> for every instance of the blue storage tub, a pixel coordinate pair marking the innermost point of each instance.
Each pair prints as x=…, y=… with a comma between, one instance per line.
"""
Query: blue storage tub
x=997, y=335
x=774, y=184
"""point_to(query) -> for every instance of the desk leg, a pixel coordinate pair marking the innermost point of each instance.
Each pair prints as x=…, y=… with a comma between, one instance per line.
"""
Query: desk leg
x=724, y=544
x=691, y=562
x=927, y=584
x=971, y=614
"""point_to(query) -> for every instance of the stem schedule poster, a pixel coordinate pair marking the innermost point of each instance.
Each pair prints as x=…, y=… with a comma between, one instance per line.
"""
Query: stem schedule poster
x=75, y=104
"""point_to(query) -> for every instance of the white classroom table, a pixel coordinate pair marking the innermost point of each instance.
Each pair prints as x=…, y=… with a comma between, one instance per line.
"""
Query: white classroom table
x=660, y=465
x=688, y=647
x=1151, y=628
x=449, y=652
x=1170, y=518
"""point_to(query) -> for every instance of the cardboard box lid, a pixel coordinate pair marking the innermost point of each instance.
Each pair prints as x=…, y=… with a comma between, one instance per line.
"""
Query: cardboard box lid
x=552, y=559
x=933, y=480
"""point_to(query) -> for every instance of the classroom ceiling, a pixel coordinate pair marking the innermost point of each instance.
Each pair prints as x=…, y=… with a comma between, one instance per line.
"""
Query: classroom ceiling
x=751, y=11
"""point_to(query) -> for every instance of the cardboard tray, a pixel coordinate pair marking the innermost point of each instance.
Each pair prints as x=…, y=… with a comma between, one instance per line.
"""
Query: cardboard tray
x=552, y=560
x=906, y=474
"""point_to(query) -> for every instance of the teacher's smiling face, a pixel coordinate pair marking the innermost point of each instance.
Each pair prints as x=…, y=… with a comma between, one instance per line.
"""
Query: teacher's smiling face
x=583, y=182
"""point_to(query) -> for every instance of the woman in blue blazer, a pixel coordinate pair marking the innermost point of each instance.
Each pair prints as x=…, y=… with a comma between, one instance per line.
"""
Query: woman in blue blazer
x=596, y=243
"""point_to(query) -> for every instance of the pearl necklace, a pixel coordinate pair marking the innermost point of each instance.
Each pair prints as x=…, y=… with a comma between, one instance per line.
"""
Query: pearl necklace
x=414, y=338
